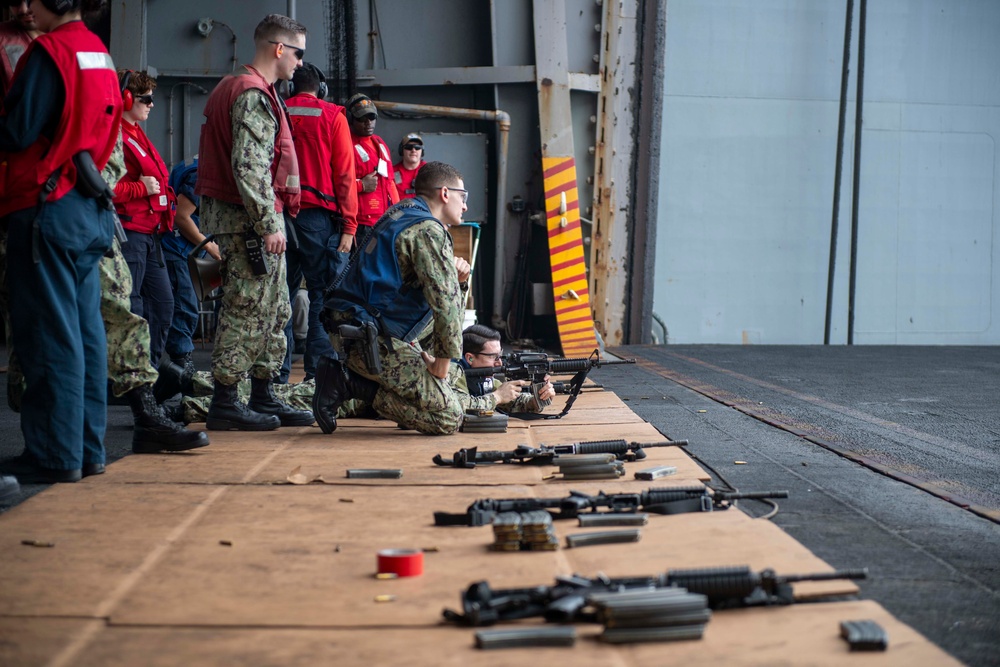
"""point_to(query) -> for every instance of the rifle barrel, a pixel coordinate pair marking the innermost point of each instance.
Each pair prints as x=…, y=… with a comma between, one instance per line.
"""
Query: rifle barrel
x=853, y=573
x=748, y=495
x=664, y=443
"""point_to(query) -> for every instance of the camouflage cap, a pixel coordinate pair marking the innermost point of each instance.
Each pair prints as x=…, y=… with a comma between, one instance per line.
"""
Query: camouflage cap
x=360, y=105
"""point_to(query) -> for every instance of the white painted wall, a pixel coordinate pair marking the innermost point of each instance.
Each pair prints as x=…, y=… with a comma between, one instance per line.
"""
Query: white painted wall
x=749, y=141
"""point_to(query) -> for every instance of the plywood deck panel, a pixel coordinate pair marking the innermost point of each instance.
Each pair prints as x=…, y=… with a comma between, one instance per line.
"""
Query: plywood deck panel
x=803, y=634
x=207, y=558
x=300, y=555
x=419, y=469
x=102, y=534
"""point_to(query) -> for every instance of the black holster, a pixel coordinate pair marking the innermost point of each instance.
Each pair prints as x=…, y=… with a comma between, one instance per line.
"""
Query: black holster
x=366, y=336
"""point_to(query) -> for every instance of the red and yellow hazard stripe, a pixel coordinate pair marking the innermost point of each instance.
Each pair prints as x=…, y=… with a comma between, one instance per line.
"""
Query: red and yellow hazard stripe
x=569, y=272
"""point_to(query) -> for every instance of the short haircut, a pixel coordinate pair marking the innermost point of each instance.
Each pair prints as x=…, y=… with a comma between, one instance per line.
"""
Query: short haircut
x=474, y=338
x=306, y=79
x=91, y=9
x=433, y=176
x=138, y=82
x=277, y=27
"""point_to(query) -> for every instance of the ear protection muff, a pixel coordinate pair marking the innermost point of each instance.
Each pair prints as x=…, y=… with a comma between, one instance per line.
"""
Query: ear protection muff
x=322, y=91
x=60, y=7
x=423, y=151
x=128, y=100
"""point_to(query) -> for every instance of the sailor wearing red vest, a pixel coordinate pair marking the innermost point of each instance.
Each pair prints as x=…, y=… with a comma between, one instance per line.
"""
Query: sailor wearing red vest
x=411, y=149
x=64, y=101
x=372, y=163
x=247, y=176
x=326, y=225
x=146, y=207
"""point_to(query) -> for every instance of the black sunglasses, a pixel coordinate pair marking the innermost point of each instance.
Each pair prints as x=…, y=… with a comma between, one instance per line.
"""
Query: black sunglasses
x=145, y=99
x=367, y=116
x=299, y=53
x=413, y=147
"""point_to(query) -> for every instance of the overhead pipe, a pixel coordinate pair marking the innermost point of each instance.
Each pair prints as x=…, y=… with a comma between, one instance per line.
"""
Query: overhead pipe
x=291, y=9
x=857, y=170
x=502, y=119
x=842, y=121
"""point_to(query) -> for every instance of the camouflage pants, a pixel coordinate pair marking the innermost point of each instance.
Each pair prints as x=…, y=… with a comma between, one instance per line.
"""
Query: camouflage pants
x=129, y=362
x=298, y=396
x=250, y=338
x=409, y=394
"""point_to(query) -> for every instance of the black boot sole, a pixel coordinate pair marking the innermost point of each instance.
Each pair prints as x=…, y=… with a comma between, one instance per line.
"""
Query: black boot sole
x=155, y=447
x=298, y=418
x=91, y=469
x=214, y=424
x=327, y=426
x=297, y=421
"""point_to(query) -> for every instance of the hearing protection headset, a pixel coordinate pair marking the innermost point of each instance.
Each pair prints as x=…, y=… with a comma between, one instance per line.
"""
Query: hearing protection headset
x=128, y=100
x=407, y=139
x=321, y=92
x=60, y=7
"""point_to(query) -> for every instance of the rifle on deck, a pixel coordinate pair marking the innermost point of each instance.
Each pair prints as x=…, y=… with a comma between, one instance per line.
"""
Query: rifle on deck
x=534, y=366
x=676, y=500
x=469, y=457
x=568, y=600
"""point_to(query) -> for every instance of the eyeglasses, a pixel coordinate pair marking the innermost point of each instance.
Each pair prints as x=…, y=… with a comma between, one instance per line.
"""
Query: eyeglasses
x=299, y=53
x=492, y=356
x=145, y=99
x=465, y=193
x=371, y=117
x=413, y=147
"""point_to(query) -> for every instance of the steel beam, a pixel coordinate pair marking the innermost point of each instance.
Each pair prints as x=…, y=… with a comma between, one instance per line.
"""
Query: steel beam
x=571, y=293
x=614, y=164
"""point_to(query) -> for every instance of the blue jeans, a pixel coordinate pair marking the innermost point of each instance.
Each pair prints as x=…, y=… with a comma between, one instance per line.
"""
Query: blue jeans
x=151, y=295
x=55, y=307
x=319, y=236
x=185, y=319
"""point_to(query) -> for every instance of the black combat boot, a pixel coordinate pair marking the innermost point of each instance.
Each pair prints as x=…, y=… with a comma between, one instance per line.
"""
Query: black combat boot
x=173, y=379
x=335, y=384
x=228, y=413
x=185, y=361
x=263, y=400
x=154, y=432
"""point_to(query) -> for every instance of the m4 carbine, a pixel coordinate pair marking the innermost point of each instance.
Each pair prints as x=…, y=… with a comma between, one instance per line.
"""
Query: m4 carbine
x=669, y=500
x=468, y=457
x=567, y=600
x=534, y=366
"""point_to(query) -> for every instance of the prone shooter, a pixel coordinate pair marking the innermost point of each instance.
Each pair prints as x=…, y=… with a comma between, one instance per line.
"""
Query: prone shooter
x=535, y=367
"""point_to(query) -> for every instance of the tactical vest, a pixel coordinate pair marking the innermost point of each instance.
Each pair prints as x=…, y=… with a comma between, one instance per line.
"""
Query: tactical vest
x=89, y=119
x=478, y=386
x=373, y=290
x=215, y=177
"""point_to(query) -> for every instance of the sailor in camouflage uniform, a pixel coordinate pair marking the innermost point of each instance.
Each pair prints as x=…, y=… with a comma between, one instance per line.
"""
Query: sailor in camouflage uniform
x=194, y=405
x=130, y=370
x=247, y=176
x=406, y=280
x=481, y=349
